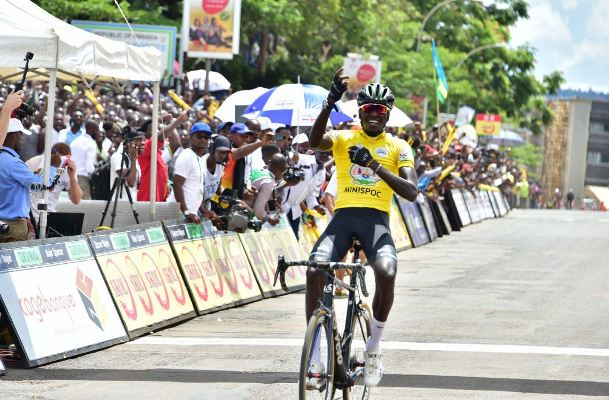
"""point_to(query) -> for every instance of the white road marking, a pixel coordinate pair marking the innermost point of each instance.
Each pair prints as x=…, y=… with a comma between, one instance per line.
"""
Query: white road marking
x=387, y=345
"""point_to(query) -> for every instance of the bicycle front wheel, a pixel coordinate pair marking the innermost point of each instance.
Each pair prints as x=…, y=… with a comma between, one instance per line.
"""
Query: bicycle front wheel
x=361, y=330
x=316, y=378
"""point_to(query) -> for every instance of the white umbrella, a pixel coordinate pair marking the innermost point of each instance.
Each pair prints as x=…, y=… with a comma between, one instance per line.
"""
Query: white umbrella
x=244, y=98
x=507, y=138
x=397, y=117
x=217, y=81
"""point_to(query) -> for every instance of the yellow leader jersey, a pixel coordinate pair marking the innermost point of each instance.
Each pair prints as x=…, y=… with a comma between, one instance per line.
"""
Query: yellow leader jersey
x=359, y=186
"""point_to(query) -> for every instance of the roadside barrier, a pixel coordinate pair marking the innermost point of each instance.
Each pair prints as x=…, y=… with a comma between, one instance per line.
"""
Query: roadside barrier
x=56, y=300
x=143, y=277
x=68, y=296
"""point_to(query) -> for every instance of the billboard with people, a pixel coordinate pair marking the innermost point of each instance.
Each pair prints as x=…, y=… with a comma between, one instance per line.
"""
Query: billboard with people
x=212, y=28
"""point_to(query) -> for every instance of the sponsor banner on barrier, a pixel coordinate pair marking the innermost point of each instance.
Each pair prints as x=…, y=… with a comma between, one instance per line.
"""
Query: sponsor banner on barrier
x=56, y=299
x=501, y=204
x=486, y=204
x=238, y=273
x=493, y=203
x=281, y=241
x=308, y=237
x=428, y=218
x=414, y=222
x=472, y=206
x=444, y=216
x=398, y=228
x=143, y=277
x=262, y=264
x=462, y=209
x=202, y=278
x=2, y=370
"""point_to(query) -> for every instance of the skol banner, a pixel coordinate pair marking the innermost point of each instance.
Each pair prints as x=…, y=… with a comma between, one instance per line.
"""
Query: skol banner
x=461, y=207
x=143, y=277
x=201, y=276
x=488, y=124
x=500, y=203
x=398, y=229
x=428, y=218
x=212, y=28
x=237, y=272
x=414, y=222
x=262, y=262
x=472, y=206
x=56, y=299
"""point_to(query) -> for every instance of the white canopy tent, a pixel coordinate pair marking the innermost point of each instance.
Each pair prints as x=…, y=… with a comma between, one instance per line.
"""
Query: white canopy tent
x=64, y=51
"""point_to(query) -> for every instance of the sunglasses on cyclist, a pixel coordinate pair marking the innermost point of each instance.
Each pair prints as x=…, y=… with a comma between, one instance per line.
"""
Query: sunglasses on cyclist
x=374, y=108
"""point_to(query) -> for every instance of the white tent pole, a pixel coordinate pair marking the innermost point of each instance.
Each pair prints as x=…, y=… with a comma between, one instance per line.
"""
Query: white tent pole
x=48, y=142
x=155, y=146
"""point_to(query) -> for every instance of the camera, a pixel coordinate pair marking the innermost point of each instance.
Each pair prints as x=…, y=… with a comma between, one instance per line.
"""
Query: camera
x=294, y=174
x=233, y=217
x=24, y=109
x=4, y=228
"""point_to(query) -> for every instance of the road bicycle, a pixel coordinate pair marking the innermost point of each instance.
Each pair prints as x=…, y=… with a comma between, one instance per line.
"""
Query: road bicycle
x=339, y=363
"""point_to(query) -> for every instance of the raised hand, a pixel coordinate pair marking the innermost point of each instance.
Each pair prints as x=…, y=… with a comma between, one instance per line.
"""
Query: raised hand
x=340, y=83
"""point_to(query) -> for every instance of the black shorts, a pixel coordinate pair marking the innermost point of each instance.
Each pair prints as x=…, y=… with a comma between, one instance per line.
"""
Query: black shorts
x=369, y=225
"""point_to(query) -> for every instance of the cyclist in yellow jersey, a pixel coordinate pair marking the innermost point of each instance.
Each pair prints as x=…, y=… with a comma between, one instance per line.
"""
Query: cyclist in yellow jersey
x=371, y=166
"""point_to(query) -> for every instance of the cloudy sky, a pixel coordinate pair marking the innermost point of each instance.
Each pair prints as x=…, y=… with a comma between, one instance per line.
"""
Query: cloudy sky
x=571, y=36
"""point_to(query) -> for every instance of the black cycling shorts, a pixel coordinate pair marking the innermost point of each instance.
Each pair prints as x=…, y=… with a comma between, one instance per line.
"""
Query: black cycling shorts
x=369, y=225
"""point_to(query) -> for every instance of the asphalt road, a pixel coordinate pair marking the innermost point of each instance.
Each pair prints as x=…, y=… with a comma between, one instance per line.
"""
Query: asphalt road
x=515, y=308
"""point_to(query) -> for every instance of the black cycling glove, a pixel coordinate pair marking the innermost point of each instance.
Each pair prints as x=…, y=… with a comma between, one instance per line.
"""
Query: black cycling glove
x=360, y=156
x=337, y=89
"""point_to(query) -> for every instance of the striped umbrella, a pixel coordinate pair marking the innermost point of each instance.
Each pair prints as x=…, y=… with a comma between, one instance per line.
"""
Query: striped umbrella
x=293, y=104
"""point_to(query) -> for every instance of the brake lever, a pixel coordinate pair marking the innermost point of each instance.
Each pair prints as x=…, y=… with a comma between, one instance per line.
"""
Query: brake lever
x=280, y=273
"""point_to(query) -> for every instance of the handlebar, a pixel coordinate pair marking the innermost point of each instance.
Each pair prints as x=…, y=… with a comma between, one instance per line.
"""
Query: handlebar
x=283, y=265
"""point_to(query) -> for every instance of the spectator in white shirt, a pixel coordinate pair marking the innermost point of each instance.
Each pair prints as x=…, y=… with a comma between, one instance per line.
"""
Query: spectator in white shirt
x=84, y=154
x=189, y=175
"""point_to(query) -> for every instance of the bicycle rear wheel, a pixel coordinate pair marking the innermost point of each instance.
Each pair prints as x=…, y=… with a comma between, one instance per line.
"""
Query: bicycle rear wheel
x=361, y=331
x=316, y=378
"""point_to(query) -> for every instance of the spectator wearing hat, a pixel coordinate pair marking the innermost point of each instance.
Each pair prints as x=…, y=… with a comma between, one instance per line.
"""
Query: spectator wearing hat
x=190, y=173
x=235, y=178
x=215, y=161
x=15, y=181
x=129, y=168
x=224, y=128
x=84, y=155
x=264, y=127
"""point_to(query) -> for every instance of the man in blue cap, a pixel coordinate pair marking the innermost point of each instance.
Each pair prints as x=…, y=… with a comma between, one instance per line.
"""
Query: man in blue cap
x=190, y=173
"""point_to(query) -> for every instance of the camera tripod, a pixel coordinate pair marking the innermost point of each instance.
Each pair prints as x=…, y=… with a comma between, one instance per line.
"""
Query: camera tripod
x=120, y=183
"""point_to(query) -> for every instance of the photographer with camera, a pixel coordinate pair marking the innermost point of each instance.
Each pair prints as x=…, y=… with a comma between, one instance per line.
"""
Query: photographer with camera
x=15, y=181
x=130, y=148
x=266, y=180
x=13, y=101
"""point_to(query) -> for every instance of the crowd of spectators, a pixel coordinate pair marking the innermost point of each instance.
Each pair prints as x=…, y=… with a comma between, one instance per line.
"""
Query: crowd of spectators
x=268, y=168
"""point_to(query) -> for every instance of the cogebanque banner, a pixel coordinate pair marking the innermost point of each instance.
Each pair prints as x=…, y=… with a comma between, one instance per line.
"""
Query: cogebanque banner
x=56, y=299
x=143, y=277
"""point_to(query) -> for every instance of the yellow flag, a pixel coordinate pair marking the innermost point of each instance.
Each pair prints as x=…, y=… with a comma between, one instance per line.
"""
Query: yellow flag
x=449, y=139
x=213, y=107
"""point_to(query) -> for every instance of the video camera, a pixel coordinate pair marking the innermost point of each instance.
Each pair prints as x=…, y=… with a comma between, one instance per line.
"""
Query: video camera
x=234, y=218
x=4, y=228
x=294, y=174
x=24, y=109
x=126, y=132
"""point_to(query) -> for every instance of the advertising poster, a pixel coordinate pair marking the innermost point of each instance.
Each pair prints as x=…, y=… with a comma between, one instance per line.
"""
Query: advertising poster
x=472, y=206
x=414, y=222
x=2, y=369
x=212, y=28
x=143, y=277
x=239, y=270
x=262, y=262
x=281, y=241
x=486, y=204
x=461, y=207
x=428, y=218
x=362, y=70
x=56, y=300
x=444, y=216
x=488, y=124
x=308, y=237
x=500, y=203
x=398, y=229
x=493, y=202
x=205, y=284
x=162, y=38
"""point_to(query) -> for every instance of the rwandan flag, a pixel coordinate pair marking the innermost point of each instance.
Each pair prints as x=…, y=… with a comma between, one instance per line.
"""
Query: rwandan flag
x=441, y=85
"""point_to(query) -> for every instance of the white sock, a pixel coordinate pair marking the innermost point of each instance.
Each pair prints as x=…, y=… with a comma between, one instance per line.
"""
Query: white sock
x=374, y=343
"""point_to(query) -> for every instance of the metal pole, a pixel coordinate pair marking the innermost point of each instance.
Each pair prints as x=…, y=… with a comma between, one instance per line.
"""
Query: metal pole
x=48, y=142
x=425, y=107
x=207, y=71
x=155, y=145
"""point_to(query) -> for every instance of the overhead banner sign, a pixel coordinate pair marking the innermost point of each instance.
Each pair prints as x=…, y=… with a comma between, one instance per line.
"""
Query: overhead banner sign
x=212, y=28
x=143, y=277
x=56, y=299
x=414, y=222
x=488, y=124
x=162, y=38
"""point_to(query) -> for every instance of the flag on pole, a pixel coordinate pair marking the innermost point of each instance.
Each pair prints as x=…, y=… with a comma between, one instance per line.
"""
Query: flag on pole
x=441, y=85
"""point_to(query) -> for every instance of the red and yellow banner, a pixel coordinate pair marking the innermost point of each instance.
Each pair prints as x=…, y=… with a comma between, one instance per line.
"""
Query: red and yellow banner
x=488, y=124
